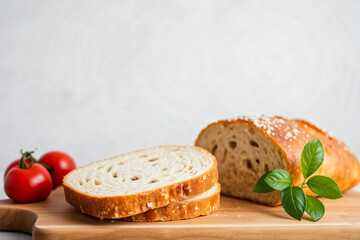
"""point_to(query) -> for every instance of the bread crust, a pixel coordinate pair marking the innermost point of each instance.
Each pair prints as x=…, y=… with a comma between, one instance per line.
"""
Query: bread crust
x=115, y=207
x=340, y=164
x=180, y=210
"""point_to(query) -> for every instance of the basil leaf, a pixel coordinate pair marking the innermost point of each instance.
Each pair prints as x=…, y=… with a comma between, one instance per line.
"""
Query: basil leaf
x=314, y=208
x=312, y=157
x=324, y=186
x=279, y=179
x=293, y=201
x=261, y=186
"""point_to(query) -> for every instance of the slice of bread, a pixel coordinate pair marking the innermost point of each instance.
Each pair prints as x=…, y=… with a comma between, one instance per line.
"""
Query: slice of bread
x=248, y=147
x=133, y=183
x=199, y=205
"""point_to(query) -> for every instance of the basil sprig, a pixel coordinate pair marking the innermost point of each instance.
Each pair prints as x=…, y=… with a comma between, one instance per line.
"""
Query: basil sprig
x=293, y=199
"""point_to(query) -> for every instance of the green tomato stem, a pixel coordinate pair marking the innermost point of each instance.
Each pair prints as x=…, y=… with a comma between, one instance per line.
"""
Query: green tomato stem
x=26, y=155
x=50, y=169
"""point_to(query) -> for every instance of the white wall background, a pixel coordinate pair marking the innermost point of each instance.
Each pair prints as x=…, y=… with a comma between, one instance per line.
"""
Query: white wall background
x=100, y=78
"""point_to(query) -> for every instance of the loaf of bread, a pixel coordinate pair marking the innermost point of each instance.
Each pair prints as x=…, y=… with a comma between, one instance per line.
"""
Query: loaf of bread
x=199, y=205
x=248, y=147
x=133, y=183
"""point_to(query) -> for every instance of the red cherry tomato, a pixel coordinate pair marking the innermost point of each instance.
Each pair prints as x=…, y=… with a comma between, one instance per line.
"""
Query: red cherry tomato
x=31, y=184
x=61, y=164
x=15, y=164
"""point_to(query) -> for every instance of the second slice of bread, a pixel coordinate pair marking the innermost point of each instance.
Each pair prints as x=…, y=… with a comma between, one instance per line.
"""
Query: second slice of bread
x=133, y=183
x=200, y=205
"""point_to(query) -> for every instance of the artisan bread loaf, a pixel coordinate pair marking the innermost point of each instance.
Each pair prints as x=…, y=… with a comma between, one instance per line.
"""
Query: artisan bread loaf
x=199, y=205
x=136, y=182
x=248, y=147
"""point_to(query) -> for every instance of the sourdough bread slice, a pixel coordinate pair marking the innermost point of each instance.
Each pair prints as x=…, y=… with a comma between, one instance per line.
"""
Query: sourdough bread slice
x=199, y=205
x=248, y=147
x=133, y=183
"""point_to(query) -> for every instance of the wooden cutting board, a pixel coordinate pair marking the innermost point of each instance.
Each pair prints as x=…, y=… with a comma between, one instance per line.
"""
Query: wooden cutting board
x=236, y=219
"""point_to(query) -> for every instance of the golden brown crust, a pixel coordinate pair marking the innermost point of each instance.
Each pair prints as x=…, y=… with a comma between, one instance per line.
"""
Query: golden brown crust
x=127, y=205
x=340, y=164
x=180, y=210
